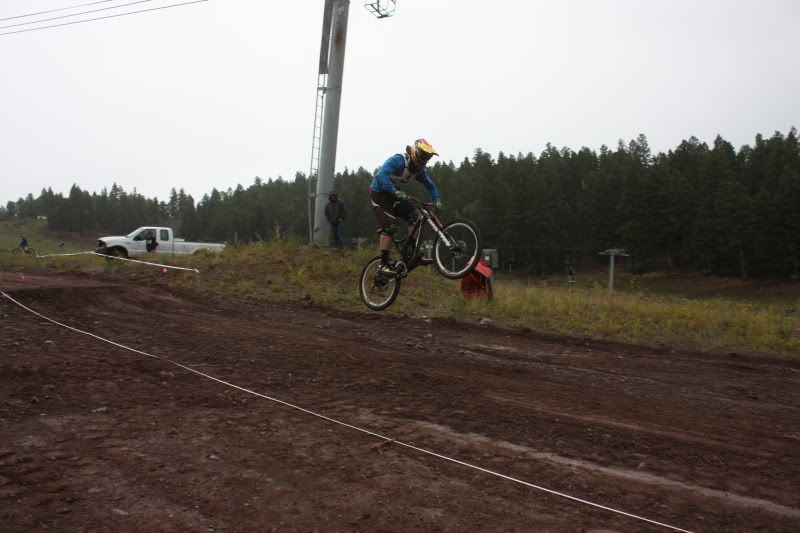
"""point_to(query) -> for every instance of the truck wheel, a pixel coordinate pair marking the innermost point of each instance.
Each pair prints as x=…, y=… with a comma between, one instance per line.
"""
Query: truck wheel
x=118, y=252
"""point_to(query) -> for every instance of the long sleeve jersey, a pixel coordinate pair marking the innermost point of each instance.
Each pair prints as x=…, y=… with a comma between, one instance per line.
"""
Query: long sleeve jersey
x=394, y=171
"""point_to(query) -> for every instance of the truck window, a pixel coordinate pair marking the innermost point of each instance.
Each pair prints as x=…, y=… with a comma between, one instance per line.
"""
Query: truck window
x=163, y=235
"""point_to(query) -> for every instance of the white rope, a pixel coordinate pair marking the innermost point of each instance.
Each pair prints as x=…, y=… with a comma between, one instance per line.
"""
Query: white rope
x=356, y=428
x=38, y=256
x=122, y=259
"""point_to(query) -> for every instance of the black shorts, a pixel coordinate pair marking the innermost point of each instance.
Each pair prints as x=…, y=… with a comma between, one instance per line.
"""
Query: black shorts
x=388, y=209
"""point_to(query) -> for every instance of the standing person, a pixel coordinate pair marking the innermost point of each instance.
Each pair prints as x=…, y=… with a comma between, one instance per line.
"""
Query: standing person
x=570, y=273
x=389, y=202
x=150, y=241
x=336, y=213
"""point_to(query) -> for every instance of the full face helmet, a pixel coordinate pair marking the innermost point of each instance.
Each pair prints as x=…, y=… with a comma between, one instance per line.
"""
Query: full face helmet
x=421, y=152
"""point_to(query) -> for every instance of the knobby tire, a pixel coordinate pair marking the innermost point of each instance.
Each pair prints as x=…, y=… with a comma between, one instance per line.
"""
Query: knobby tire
x=466, y=232
x=374, y=295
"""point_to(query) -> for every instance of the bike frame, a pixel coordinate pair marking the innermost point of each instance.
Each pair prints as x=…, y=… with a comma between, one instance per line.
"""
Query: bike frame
x=409, y=245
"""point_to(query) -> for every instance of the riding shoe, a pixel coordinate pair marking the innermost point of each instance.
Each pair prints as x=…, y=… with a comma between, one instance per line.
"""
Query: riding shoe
x=393, y=268
x=388, y=268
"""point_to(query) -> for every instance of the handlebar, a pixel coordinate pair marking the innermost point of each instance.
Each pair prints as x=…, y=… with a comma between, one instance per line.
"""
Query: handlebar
x=423, y=203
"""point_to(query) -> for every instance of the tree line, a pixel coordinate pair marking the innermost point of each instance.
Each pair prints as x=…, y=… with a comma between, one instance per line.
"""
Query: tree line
x=709, y=208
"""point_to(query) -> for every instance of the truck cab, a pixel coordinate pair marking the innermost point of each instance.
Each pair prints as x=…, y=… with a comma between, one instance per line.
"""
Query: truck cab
x=135, y=243
x=138, y=238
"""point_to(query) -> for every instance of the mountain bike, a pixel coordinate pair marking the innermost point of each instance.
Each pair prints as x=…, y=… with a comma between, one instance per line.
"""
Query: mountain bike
x=27, y=250
x=455, y=252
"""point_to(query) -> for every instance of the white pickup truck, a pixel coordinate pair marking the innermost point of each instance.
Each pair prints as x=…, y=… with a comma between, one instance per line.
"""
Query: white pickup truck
x=135, y=243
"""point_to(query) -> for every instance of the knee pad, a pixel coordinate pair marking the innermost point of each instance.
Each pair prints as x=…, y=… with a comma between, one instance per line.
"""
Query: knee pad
x=389, y=231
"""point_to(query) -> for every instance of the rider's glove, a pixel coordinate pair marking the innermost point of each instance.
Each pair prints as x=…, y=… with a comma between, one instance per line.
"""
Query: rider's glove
x=438, y=204
x=400, y=195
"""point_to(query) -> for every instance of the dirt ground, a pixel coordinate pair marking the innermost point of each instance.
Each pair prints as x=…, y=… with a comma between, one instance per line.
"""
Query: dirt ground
x=94, y=437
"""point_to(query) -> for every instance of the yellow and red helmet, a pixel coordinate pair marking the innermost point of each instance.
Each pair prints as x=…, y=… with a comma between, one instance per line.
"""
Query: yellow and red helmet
x=421, y=152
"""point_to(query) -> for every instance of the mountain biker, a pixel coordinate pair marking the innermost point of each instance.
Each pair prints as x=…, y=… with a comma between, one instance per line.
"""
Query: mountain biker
x=23, y=243
x=389, y=202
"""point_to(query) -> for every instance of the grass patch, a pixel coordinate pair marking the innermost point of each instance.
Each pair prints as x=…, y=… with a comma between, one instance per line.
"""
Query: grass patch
x=644, y=318
x=40, y=238
x=693, y=285
x=43, y=242
x=288, y=270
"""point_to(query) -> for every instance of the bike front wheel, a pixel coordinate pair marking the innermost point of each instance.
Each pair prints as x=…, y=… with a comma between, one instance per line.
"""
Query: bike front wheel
x=377, y=289
x=457, y=257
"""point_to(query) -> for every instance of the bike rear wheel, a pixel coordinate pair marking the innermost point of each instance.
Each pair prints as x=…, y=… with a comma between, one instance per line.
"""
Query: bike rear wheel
x=456, y=260
x=377, y=290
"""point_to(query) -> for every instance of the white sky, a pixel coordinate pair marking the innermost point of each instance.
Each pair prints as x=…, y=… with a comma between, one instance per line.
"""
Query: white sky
x=216, y=93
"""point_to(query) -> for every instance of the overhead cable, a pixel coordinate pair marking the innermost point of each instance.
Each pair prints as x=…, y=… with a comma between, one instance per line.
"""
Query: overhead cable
x=54, y=10
x=105, y=17
x=74, y=14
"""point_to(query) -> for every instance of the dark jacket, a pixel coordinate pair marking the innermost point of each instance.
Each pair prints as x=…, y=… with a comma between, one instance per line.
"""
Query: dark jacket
x=150, y=243
x=335, y=211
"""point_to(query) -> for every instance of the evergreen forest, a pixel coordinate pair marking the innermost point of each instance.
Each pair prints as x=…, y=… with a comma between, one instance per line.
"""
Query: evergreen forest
x=711, y=209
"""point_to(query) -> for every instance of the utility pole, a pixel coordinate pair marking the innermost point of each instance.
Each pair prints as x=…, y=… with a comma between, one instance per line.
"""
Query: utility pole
x=612, y=253
x=326, y=118
x=337, y=10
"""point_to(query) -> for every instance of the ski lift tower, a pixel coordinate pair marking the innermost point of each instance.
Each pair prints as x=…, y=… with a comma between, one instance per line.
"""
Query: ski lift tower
x=326, y=116
x=612, y=253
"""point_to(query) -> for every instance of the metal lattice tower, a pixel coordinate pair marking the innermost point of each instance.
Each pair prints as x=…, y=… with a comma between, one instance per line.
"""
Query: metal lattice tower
x=313, y=175
x=381, y=8
x=326, y=113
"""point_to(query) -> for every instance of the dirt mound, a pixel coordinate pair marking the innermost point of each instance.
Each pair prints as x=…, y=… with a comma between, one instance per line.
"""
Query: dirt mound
x=100, y=438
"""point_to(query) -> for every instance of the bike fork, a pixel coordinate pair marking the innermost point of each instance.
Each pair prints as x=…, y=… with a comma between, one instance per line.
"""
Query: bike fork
x=441, y=234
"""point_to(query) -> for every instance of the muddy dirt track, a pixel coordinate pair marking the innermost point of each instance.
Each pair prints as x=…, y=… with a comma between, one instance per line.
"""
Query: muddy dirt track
x=98, y=438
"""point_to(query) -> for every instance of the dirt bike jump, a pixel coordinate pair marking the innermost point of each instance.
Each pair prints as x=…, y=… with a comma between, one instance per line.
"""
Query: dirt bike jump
x=100, y=438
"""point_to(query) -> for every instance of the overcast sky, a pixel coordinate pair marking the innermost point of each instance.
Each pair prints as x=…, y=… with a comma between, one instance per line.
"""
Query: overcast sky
x=215, y=93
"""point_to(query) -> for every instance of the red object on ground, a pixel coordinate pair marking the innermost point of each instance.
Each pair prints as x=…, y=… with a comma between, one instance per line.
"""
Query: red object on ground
x=477, y=284
x=483, y=269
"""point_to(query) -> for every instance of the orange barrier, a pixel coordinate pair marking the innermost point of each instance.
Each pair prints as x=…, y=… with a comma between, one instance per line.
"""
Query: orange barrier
x=478, y=283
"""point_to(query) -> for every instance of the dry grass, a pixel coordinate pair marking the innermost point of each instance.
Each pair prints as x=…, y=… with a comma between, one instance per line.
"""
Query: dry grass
x=287, y=270
x=702, y=324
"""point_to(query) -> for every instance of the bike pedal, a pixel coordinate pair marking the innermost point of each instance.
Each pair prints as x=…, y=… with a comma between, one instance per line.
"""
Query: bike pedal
x=401, y=269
